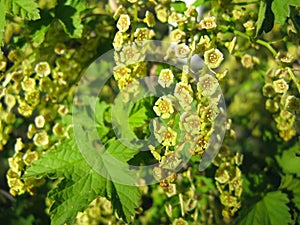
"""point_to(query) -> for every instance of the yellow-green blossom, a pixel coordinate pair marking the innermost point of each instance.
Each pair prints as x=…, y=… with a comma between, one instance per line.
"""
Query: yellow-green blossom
x=149, y=19
x=42, y=69
x=280, y=86
x=208, y=23
x=163, y=107
x=165, y=78
x=207, y=85
x=213, y=58
x=41, y=139
x=184, y=93
x=177, y=35
x=39, y=121
x=19, y=145
x=122, y=72
x=285, y=57
x=190, y=122
x=166, y=136
x=141, y=34
x=203, y=45
x=182, y=50
x=180, y=221
x=130, y=54
x=123, y=23
x=161, y=13
x=118, y=41
x=10, y=101
x=247, y=61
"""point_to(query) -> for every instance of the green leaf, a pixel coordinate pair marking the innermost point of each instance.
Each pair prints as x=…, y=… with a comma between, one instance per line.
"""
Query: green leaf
x=265, y=20
x=292, y=184
x=138, y=115
x=271, y=210
x=68, y=14
x=82, y=184
x=281, y=9
x=198, y=3
x=289, y=162
x=179, y=6
x=26, y=9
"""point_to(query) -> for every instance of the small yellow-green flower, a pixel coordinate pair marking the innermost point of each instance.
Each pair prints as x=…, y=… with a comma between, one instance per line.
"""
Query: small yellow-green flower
x=207, y=85
x=208, y=23
x=28, y=84
x=118, y=41
x=285, y=57
x=141, y=34
x=190, y=122
x=10, y=101
x=182, y=50
x=42, y=69
x=177, y=35
x=163, y=107
x=29, y=157
x=39, y=121
x=130, y=54
x=41, y=139
x=175, y=18
x=292, y=104
x=166, y=136
x=247, y=61
x=184, y=93
x=149, y=19
x=122, y=72
x=19, y=145
x=165, y=78
x=161, y=13
x=280, y=86
x=123, y=23
x=203, y=45
x=180, y=221
x=213, y=58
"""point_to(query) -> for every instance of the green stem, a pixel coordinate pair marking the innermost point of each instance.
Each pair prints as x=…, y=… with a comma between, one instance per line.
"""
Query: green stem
x=268, y=46
x=239, y=33
x=292, y=75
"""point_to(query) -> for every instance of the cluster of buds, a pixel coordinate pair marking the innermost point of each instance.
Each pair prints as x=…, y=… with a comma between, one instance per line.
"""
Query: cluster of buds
x=282, y=102
x=228, y=179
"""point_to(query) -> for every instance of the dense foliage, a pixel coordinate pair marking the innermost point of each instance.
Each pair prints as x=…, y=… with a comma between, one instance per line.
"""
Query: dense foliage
x=249, y=49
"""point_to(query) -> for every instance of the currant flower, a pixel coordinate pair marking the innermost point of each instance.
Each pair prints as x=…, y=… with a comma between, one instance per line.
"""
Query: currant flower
x=29, y=157
x=213, y=58
x=165, y=78
x=41, y=138
x=121, y=72
x=39, y=121
x=285, y=57
x=268, y=90
x=180, y=221
x=184, y=93
x=203, y=45
x=177, y=35
x=28, y=84
x=292, y=104
x=208, y=23
x=280, y=86
x=19, y=145
x=207, y=85
x=182, y=50
x=163, y=107
x=130, y=54
x=161, y=13
x=42, y=69
x=10, y=101
x=123, y=23
x=247, y=61
x=118, y=41
x=141, y=34
x=166, y=136
x=190, y=122
x=149, y=19
x=175, y=18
